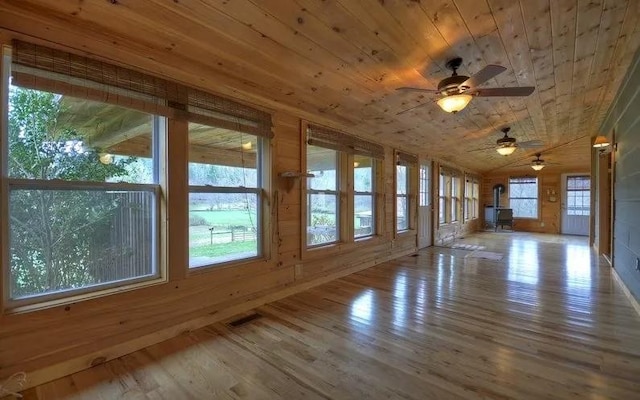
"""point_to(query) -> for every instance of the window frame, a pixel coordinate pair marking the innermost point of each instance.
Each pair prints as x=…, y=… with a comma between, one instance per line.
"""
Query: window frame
x=471, y=200
x=337, y=193
x=8, y=184
x=260, y=193
x=537, y=198
x=443, y=203
x=455, y=199
x=372, y=194
x=406, y=197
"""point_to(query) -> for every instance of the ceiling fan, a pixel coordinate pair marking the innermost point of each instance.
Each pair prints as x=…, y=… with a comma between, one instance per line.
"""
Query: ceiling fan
x=506, y=145
x=458, y=90
x=537, y=163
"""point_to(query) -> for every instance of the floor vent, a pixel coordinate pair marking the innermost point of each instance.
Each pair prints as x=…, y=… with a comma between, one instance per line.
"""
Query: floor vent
x=244, y=320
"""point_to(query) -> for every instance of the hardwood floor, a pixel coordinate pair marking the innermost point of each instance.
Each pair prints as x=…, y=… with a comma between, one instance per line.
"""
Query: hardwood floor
x=546, y=322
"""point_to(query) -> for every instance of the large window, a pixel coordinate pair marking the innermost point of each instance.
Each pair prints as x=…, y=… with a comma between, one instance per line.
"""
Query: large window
x=405, y=164
x=322, y=196
x=455, y=198
x=450, y=195
x=402, y=199
x=363, y=196
x=341, y=194
x=471, y=201
x=225, y=185
x=83, y=189
x=523, y=197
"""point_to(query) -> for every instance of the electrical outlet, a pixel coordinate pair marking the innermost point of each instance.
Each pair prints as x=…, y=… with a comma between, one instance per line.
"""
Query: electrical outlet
x=542, y=224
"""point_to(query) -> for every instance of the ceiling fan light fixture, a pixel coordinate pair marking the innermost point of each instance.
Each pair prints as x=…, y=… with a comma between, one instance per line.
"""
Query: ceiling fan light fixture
x=600, y=142
x=537, y=167
x=455, y=102
x=505, y=150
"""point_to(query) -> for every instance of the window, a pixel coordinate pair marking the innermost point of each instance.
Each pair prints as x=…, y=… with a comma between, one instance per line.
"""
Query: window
x=475, y=199
x=468, y=193
x=450, y=194
x=322, y=196
x=363, y=196
x=331, y=155
x=471, y=202
x=83, y=184
x=225, y=187
x=404, y=166
x=523, y=197
x=442, y=204
x=455, y=198
x=578, y=195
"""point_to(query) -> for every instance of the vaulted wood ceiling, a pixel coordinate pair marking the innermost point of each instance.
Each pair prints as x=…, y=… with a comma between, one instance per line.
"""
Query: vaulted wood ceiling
x=338, y=62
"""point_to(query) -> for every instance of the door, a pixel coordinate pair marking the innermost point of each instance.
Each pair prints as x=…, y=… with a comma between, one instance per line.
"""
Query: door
x=576, y=204
x=424, y=206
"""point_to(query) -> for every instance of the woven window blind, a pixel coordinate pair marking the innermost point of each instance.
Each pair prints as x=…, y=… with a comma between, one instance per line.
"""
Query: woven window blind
x=328, y=138
x=42, y=68
x=406, y=158
x=449, y=171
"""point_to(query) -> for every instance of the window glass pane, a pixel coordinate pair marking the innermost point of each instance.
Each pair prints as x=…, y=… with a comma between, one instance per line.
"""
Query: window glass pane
x=53, y=136
x=424, y=185
x=401, y=179
x=441, y=208
x=363, y=174
x=222, y=157
x=69, y=239
x=524, y=208
x=402, y=213
x=323, y=163
x=222, y=227
x=363, y=215
x=322, y=224
x=523, y=197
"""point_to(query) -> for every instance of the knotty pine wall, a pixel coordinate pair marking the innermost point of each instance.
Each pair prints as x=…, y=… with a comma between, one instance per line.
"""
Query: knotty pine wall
x=622, y=125
x=549, y=212
x=66, y=337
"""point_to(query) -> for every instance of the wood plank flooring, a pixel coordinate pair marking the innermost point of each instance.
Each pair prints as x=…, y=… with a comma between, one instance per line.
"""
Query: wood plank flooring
x=546, y=322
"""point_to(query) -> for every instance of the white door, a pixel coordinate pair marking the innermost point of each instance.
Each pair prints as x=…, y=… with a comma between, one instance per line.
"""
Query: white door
x=424, y=206
x=576, y=204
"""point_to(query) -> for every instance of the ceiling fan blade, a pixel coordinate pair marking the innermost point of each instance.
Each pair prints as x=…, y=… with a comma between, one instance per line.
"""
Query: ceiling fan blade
x=530, y=144
x=482, y=76
x=484, y=149
x=415, y=89
x=412, y=108
x=503, y=92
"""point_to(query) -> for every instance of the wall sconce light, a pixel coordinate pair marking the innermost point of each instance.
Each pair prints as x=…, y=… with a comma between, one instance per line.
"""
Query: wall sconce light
x=601, y=142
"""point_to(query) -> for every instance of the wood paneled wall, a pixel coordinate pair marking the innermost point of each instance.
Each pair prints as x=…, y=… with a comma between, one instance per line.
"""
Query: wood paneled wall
x=622, y=125
x=67, y=337
x=549, y=182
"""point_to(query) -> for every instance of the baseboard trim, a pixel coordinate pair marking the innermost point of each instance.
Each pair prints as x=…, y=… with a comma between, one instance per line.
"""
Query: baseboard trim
x=626, y=291
x=68, y=367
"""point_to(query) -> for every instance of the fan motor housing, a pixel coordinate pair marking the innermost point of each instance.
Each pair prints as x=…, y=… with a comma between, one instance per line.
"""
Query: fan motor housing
x=451, y=83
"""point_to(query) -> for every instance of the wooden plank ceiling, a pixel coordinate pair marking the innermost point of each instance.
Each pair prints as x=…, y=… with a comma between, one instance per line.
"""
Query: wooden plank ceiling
x=338, y=62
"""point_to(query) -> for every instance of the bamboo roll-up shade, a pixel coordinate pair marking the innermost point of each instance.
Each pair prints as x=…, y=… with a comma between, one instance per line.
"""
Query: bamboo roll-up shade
x=449, y=171
x=229, y=114
x=43, y=68
x=472, y=178
x=331, y=139
x=406, y=158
